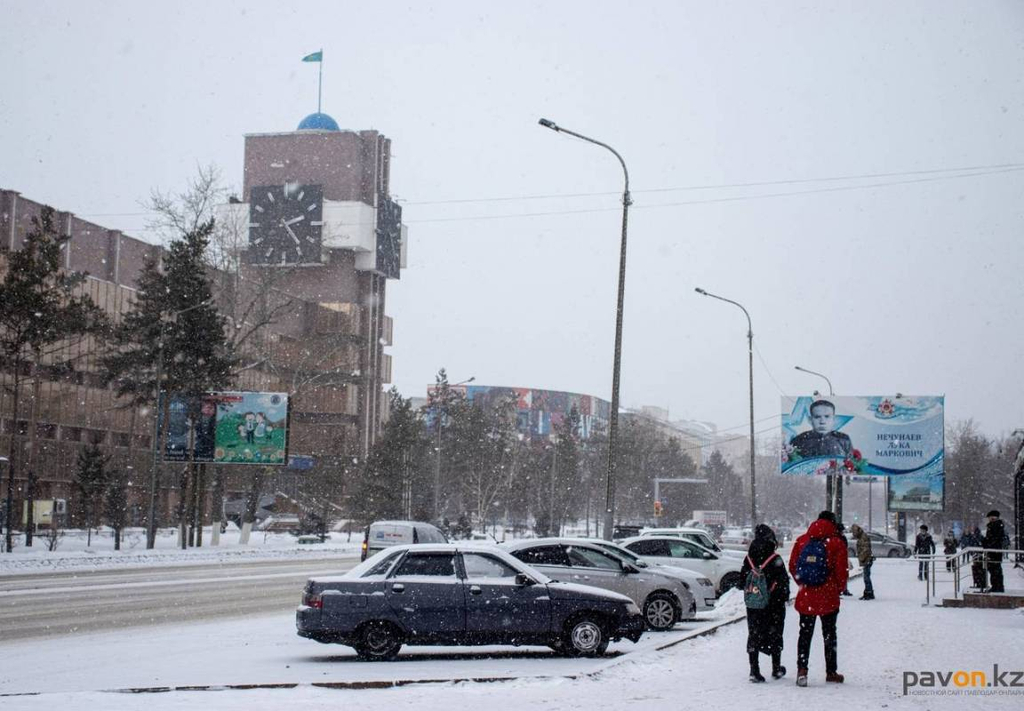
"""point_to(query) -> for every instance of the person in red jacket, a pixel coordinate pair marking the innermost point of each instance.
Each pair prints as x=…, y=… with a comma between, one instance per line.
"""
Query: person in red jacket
x=821, y=573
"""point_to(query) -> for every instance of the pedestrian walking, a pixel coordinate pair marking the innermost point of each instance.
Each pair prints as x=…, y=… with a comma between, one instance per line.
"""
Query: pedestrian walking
x=765, y=592
x=949, y=544
x=841, y=528
x=818, y=565
x=923, y=545
x=865, y=558
x=973, y=539
x=995, y=539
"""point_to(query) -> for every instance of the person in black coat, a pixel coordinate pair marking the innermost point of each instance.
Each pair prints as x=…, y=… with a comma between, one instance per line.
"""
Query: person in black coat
x=765, y=626
x=974, y=539
x=995, y=532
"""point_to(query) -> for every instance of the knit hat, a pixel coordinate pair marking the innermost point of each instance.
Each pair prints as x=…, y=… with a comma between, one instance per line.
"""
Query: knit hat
x=993, y=512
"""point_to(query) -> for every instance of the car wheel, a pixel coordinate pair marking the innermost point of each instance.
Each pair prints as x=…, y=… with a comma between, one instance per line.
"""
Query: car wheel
x=729, y=581
x=893, y=553
x=585, y=637
x=660, y=611
x=379, y=642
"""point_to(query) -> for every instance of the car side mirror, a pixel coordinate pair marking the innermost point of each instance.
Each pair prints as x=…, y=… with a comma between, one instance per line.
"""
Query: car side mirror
x=629, y=569
x=523, y=579
x=709, y=556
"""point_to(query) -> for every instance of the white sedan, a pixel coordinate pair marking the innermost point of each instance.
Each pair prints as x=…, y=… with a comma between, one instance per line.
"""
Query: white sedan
x=723, y=571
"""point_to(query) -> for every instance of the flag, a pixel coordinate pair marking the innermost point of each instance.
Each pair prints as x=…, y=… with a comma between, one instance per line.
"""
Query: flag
x=315, y=57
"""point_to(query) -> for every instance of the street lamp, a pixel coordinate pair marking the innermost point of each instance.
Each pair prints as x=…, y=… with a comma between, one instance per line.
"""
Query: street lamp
x=437, y=462
x=8, y=505
x=154, y=475
x=613, y=422
x=750, y=354
x=834, y=483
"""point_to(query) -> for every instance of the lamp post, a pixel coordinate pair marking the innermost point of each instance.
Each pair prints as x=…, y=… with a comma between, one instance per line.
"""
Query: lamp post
x=154, y=475
x=834, y=483
x=750, y=359
x=8, y=504
x=613, y=421
x=437, y=462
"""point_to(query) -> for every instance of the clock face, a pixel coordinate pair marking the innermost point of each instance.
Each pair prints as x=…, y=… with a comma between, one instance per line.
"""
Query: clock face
x=285, y=224
x=389, y=239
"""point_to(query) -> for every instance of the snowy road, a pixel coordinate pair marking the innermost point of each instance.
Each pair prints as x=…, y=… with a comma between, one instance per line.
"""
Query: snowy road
x=49, y=604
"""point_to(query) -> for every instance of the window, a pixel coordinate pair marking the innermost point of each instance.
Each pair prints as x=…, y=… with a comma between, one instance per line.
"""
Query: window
x=589, y=558
x=72, y=434
x=543, y=555
x=96, y=436
x=46, y=430
x=682, y=549
x=434, y=564
x=121, y=439
x=484, y=566
x=384, y=566
x=659, y=548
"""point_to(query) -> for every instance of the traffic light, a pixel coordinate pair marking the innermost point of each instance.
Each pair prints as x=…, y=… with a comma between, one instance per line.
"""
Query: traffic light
x=657, y=508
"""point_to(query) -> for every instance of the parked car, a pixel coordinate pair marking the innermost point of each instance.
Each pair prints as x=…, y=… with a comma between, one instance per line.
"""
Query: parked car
x=664, y=599
x=385, y=534
x=736, y=539
x=723, y=571
x=700, y=586
x=623, y=530
x=460, y=594
x=883, y=546
x=698, y=536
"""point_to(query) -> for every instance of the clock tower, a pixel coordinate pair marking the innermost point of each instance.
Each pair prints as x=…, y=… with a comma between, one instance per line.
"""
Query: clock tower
x=320, y=228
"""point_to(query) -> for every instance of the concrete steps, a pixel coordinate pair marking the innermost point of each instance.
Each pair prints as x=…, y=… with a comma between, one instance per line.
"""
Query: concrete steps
x=999, y=601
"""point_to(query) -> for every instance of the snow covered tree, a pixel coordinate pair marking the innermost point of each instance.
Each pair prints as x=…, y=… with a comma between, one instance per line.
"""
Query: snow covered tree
x=174, y=328
x=90, y=484
x=41, y=310
x=400, y=451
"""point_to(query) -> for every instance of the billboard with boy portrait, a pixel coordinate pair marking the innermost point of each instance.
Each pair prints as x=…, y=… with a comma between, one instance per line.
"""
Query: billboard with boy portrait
x=900, y=437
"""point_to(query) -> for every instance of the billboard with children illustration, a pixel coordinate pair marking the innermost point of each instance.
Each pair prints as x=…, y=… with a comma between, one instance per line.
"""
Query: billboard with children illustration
x=229, y=428
x=899, y=436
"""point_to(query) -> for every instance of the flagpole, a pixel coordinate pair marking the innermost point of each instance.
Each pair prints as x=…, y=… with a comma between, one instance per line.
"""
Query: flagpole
x=320, y=82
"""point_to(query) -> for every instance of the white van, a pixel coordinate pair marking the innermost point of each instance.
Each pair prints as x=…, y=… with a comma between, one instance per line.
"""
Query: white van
x=384, y=534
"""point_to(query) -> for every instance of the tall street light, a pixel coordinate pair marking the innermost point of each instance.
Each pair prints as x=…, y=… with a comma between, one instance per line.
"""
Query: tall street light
x=437, y=462
x=154, y=476
x=613, y=422
x=833, y=483
x=750, y=354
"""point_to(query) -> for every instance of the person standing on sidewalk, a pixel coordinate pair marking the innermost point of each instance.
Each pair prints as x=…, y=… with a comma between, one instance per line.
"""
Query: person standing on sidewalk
x=765, y=593
x=949, y=544
x=995, y=538
x=923, y=545
x=818, y=564
x=973, y=539
x=865, y=558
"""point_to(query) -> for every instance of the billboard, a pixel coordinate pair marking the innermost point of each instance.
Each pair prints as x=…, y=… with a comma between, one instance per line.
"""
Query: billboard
x=231, y=428
x=900, y=437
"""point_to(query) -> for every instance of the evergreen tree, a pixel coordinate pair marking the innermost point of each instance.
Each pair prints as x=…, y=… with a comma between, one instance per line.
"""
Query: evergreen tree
x=115, y=505
x=90, y=483
x=40, y=311
x=723, y=487
x=173, y=328
x=388, y=474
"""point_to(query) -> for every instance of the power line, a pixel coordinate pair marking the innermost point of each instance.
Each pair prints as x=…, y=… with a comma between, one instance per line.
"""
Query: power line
x=768, y=370
x=967, y=172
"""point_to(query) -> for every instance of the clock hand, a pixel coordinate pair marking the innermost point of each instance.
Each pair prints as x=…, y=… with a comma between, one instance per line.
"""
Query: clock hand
x=292, y=221
x=290, y=231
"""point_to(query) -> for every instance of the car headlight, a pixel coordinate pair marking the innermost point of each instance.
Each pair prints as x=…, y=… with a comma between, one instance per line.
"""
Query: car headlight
x=632, y=608
x=705, y=582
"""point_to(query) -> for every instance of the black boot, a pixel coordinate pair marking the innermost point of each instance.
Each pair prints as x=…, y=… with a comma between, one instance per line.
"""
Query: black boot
x=755, y=669
x=778, y=671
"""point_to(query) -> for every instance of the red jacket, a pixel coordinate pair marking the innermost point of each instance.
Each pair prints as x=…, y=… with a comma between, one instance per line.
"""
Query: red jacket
x=822, y=599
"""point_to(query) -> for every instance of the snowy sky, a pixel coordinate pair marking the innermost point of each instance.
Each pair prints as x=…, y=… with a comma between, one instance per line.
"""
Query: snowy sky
x=908, y=280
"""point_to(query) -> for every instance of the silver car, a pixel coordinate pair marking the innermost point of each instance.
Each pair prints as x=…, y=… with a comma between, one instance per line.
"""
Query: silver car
x=665, y=600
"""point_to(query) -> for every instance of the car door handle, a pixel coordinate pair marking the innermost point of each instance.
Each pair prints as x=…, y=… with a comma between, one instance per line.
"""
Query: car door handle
x=475, y=589
x=398, y=588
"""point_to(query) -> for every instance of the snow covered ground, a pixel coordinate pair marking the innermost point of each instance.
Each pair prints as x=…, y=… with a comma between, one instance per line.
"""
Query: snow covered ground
x=878, y=642
x=73, y=553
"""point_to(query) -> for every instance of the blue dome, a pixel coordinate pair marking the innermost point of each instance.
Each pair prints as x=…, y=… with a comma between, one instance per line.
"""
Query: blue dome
x=318, y=122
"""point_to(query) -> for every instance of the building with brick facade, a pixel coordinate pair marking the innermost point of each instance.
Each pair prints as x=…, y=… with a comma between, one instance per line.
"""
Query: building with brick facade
x=321, y=339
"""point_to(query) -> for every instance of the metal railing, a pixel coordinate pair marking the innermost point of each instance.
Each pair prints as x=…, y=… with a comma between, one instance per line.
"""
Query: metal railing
x=959, y=562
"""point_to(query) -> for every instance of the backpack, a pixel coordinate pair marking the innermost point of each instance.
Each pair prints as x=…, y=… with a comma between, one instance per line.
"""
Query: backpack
x=812, y=564
x=756, y=592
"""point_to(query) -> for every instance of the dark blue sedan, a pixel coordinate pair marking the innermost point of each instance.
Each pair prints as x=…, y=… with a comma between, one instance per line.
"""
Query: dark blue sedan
x=460, y=595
